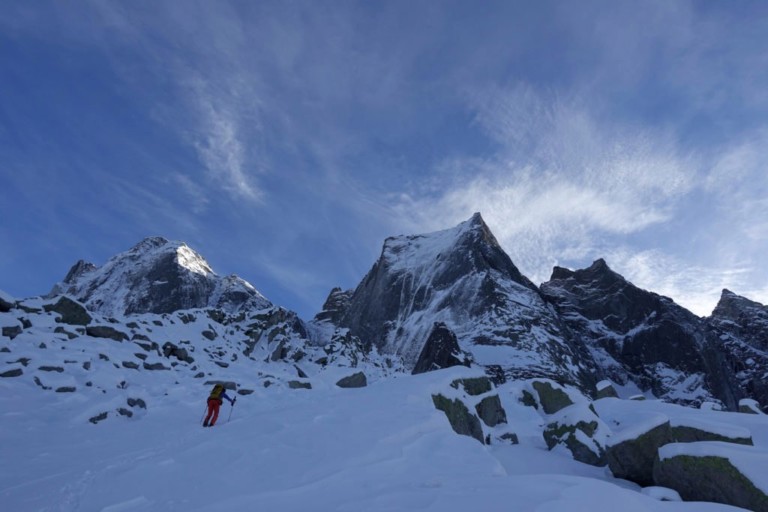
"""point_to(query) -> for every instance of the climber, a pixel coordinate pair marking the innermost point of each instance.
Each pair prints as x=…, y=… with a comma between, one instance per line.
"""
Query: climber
x=214, y=402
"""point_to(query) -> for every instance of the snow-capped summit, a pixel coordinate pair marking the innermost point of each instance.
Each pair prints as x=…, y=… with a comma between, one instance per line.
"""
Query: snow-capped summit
x=157, y=276
x=462, y=278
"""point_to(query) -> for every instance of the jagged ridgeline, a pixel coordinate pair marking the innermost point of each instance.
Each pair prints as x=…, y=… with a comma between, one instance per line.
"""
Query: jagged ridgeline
x=448, y=298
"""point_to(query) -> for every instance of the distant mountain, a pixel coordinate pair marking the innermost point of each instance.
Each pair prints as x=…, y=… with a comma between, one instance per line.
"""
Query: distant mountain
x=157, y=276
x=463, y=279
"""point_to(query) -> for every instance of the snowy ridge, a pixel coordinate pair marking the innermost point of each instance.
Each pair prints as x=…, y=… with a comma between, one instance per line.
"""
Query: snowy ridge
x=638, y=336
x=157, y=276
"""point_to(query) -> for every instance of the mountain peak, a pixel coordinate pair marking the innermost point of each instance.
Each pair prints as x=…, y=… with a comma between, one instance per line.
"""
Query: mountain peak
x=77, y=270
x=560, y=273
x=149, y=243
x=156, y=276
x=477, y=219
x=733, y=306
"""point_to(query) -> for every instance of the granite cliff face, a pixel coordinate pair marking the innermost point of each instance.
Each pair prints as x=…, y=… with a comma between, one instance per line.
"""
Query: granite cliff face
x=639, y=336
x=463, y=279
x=156, y=276
x=741, y=328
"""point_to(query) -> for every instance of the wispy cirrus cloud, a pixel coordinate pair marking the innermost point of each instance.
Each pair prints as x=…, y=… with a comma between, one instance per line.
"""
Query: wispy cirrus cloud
x=696, y=287
x=560, y=182
x=220, y=144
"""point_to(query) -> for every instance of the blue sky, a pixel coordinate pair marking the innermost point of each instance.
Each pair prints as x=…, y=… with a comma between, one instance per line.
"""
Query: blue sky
x=285, y=140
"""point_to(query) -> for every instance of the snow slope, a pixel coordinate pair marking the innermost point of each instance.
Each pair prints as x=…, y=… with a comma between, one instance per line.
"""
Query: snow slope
x=380, y=448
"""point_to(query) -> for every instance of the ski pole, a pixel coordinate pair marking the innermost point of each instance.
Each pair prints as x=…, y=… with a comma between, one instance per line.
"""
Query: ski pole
x=205, y=410
x=231, y=409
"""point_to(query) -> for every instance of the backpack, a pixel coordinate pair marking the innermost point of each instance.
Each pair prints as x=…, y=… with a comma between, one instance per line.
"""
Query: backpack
x=216, y=392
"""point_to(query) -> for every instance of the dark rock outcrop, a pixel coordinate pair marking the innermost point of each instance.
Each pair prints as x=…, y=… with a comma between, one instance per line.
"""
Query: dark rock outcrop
x=585, y=447
x=605, y=389
x=72, y=313
x=709, y=478
x=643, y=337
x=633, y=459
x=740, y=327
x=11, y=331
x=105, y=331
x=5, y=305
x=490, y=410
x=335, y=305
x=440, y=351
x=357, y=380
x=462, y=421
x=552, y=398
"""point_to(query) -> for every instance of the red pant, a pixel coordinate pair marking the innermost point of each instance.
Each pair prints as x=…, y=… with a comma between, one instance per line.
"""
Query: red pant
x=213, y=411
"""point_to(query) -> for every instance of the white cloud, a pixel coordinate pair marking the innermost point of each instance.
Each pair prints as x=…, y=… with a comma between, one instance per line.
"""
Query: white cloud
x=560, y=183
x=221, y=149
x=695, y=287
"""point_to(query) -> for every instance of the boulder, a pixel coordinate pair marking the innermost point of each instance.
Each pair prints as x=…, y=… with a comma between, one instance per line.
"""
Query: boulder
x=301, y=373
x=58, y=369
x=98, y=418
x=714, y=471
x=749, y=406
x=171, y=350
x=632, y=455
x=16, y=372
x=122, y=411
x=137, y=402
x=528, y=399
x=72, y=313
x=551, y=397
x=105, y=331
x=5, y=304
x=510, y=437
x=605, y=389
x=474, y=386
x=295, y=384
x=11, y=331
x=280, y=352
x=689, y=432
x=61, y=330
x=441, y=350
x=155, y=366
x=490, y=410
x=579, y=429
x=462, y=421
x=357, y=380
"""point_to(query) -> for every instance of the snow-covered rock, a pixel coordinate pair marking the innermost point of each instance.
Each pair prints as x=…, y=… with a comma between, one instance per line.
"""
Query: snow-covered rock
x=715, y=471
